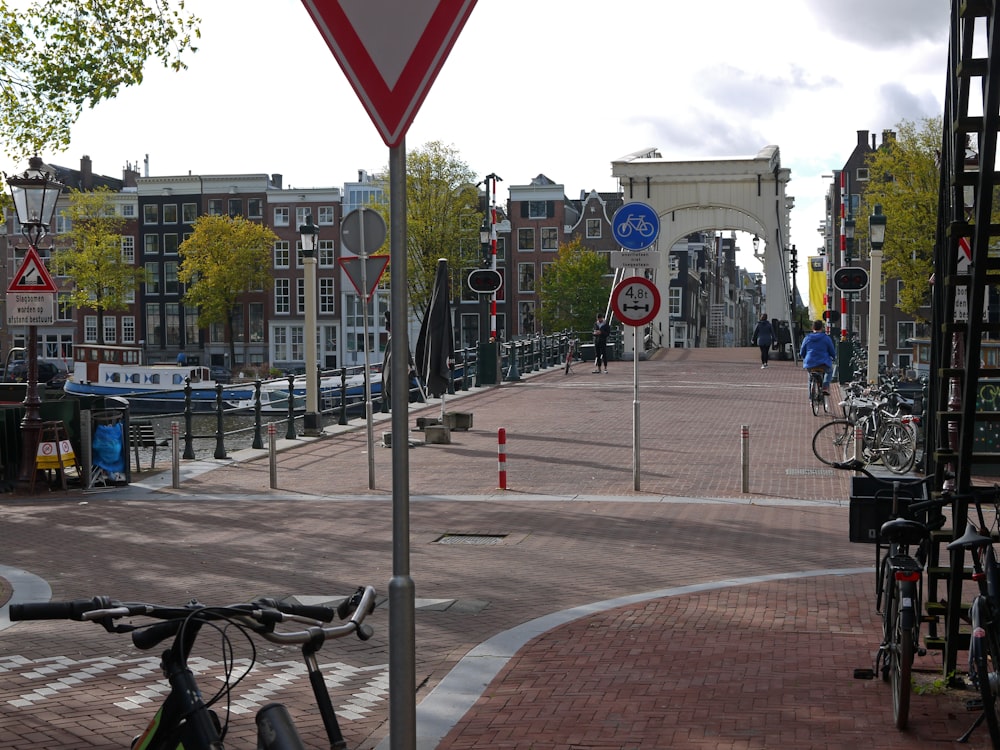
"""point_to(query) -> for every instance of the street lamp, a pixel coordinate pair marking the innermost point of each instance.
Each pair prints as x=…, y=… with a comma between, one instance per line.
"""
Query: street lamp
x=35, y=193
x=876, y=237
x=309, y=236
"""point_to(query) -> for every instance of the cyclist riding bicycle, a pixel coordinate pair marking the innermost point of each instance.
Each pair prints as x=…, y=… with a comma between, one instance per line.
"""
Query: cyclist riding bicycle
x=818, y=351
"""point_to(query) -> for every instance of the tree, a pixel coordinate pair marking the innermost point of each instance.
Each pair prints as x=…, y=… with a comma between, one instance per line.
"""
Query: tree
x=443, y=216
x=103, y=278
x=574, y=288
x=222, y=259
x=59, y=55
x=904, y=178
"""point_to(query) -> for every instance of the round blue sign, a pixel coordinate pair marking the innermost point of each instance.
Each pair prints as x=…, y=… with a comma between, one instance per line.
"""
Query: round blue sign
x=635, y=226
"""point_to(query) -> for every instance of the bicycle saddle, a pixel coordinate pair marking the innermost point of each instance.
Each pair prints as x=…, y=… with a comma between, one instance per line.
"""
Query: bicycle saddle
x=903, y=531
x=970, y=539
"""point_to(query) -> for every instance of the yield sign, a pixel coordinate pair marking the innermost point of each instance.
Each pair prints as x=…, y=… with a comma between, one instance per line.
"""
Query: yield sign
x=373, y=270
x=390, y=62
x=32, y=276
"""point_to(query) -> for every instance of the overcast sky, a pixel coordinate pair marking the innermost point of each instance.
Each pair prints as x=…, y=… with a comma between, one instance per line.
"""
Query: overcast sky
x=544, y=86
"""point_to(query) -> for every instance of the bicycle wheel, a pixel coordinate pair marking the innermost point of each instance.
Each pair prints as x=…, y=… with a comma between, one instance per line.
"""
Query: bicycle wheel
x=982, y=664
x=897, y=446
x=834, y=442
x=901, y=664
x=815, y=395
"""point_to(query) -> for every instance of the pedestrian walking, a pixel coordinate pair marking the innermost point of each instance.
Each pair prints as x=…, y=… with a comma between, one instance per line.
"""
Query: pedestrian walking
x=763, y=336
x=601, y=332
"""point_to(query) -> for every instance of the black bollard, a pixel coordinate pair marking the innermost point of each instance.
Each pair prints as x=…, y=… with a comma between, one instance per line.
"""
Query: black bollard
x=188, y=436
x=290, y=432
x=257, y=442
x=343, y=396
x=220, y=429
x=465, y=369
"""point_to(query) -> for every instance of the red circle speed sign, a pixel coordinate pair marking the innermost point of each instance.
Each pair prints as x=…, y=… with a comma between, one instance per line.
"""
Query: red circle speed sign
x=635, y=301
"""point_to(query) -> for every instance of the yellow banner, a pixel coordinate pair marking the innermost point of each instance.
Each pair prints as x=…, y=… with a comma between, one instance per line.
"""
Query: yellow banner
x=817, y=286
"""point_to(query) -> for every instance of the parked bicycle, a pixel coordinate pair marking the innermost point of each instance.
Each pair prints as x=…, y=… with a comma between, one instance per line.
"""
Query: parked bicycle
x=984, y=612
x=185, y=719
x=885, y=436
x=570, y=353
x=899, y=580
x=818, y=398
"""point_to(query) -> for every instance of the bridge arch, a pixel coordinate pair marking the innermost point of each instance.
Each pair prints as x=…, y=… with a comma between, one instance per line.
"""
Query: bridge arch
x=743, y=194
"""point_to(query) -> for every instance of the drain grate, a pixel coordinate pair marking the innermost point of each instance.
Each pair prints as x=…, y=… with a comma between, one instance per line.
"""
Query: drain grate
x=810, y=472
x=470, y=539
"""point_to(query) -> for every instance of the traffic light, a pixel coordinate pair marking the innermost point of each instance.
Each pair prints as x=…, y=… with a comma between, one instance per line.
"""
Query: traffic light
x=485, y=281
x=850, y=279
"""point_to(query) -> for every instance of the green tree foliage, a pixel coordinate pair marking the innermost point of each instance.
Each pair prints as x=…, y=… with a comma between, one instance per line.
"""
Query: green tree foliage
x=904, y=178
x=574, y=289
x=60, y=55
x=102, y=279
x=223, y=259
x=443, y=216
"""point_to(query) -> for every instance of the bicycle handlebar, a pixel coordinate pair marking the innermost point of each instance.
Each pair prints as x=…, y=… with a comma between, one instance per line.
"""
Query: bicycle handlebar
x=259, y=616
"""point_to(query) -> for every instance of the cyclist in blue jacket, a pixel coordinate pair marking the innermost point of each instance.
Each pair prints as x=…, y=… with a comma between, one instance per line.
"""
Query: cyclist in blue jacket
x=817, y=350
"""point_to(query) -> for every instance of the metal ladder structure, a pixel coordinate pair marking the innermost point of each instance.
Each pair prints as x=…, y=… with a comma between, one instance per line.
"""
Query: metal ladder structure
x=963, y=271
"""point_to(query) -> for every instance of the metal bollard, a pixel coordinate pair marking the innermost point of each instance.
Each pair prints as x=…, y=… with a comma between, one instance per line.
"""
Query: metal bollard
x=343, y=397
x=220, y=427
x=175, y=456
x=257, y=442
x=188, y=434
x=272, y=454
x=745, y=455
x=502, y=457
x=290, y=431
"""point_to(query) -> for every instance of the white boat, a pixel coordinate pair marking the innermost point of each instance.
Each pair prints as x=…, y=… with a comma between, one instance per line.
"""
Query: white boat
x=108, y=370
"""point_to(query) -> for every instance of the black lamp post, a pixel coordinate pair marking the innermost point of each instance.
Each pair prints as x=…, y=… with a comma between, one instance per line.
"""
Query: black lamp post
x=35, y=193
x=876, y=238
x=309, y=235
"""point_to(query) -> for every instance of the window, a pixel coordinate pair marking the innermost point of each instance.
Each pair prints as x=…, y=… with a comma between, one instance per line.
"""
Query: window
x=862, y=174
x=281, y=216
x=327, y=297
x=170, y=213
x=256, y=310
x=282, y=296
x=128, y=329
x=593, y=229
x=128, y=249
x=170, y=244
x=238, y=327
x=63, y=223
x=301, y=214
x=110, y=329
x=537, y=210
x=281, y=254
x=150, y=214
x=527, y=317
x=674, y=263
x=526, y=277
x=215, y=207
x=298, y=341
x=501, y=248
x=279, y=337
x=154, y=330
x=170, y=283
x=300, y=296
x=191, y=337
x=90, y=329
x=904, y=331
x=526, y=239
x=326, y=254
x=152, y=278
x=235, y=207
x=550, y=238
x=255, y=208
x=674, y=300
x=189, y=212
x=64, y=307
x=151, y=244
x=128, y=210
x=325, y=216
x=217, y=333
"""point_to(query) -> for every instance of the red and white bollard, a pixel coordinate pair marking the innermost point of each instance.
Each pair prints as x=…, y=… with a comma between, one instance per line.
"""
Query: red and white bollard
x=502, y=457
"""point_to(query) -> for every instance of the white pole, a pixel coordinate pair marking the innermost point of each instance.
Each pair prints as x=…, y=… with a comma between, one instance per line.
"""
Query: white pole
x=874, y=313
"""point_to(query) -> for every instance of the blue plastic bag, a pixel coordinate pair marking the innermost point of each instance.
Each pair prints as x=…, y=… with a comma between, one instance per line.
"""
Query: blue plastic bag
x=108, y=448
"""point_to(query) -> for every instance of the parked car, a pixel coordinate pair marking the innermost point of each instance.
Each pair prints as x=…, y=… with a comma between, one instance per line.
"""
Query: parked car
x=221, y=375
x=49, y=373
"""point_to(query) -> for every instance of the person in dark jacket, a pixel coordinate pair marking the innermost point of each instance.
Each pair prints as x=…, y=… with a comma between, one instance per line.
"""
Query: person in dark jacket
x=763, y=336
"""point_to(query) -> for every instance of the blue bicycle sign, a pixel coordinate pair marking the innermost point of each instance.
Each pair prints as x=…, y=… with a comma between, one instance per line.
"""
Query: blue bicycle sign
x=635, y=226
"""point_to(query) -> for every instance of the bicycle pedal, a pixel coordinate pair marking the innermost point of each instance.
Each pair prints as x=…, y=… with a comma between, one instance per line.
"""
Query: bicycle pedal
x=864, y=674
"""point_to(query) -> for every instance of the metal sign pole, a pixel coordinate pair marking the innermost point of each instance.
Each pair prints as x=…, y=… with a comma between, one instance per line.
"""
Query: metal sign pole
x=635, y=407
x=368, y=385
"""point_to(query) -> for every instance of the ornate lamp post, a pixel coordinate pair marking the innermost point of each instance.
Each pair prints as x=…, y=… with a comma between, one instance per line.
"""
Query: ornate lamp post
x=876, y=236
x=35, y=193
x=309, y=234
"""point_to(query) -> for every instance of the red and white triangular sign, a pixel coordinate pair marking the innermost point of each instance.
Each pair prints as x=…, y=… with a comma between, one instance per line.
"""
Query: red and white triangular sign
x=32, y=276
x=391, y=63
x=375, y=266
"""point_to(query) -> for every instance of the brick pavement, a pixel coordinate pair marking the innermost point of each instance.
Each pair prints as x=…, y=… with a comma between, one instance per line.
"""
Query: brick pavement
x=756, y=663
